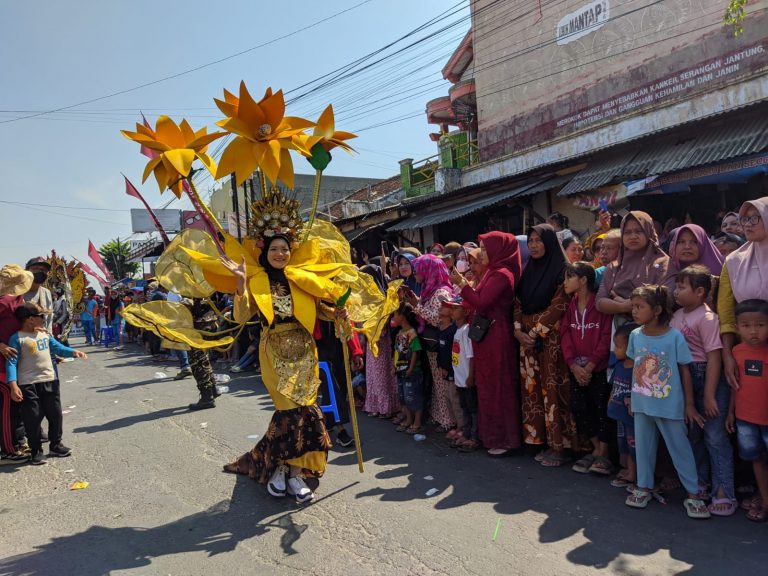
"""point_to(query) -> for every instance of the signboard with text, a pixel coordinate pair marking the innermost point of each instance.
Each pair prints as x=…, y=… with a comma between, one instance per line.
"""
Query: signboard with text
x=606, y=63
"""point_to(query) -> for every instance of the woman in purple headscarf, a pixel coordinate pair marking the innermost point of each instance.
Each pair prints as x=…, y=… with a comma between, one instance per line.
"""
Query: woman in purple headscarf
x=691, y=245
x=432, y=275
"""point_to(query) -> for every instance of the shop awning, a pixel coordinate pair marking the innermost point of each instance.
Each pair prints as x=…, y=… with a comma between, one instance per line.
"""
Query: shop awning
x=599, y=172
x=458, y=211
x=730, y=139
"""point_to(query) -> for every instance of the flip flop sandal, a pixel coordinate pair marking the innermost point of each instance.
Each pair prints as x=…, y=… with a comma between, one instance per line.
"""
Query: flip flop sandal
x=414, y=429
x=718, y=502
x=583, y=464
x=749, y=503
x=621, y=482
x=554, y=460
x=541, y=455
x=757, y=514
x=469, y=446
x=402, y=428
x=638, y=499
x=602, y=466
x=696, y=509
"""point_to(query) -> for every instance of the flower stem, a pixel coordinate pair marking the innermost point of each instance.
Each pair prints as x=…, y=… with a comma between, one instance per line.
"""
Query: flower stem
x=315, y=200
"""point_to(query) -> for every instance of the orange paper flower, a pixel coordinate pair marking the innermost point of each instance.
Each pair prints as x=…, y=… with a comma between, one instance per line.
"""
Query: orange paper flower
x=178, y=146
x=264, y=136
x=325, y=133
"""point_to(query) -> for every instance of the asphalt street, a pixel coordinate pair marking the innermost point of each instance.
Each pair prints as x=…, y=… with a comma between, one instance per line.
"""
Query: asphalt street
x=158, y=503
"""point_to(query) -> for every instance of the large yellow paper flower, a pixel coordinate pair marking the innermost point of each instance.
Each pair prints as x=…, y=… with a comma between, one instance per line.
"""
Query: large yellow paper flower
x=264, y=136
x=325, y=133
x=178, y=146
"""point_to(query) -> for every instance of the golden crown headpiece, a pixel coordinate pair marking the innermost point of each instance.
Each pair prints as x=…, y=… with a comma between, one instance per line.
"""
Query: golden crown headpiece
x=276, y=215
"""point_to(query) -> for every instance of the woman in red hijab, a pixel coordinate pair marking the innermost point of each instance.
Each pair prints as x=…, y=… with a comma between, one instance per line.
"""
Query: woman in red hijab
x=496, y=373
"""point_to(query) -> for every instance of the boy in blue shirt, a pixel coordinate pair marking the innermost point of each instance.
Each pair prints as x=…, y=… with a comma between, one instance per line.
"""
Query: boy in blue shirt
x=33, y=381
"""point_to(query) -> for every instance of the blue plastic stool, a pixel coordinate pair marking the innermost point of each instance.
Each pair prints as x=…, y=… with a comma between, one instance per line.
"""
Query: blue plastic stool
x=331, y=408
x=107, y=336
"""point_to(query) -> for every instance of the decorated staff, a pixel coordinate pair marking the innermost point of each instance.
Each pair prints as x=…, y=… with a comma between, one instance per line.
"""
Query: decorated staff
x=286, y=274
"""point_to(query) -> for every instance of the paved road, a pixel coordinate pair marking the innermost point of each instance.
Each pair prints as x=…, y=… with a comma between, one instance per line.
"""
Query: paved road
x=158, y=503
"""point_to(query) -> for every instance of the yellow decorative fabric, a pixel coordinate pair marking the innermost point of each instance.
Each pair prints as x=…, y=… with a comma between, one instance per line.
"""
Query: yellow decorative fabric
x=315, y=461
x=292, y=355
x=320, y=269
x=176, y=269
x=171, y=321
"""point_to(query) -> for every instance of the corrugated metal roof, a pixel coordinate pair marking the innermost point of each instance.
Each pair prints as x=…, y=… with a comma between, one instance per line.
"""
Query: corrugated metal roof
x=547, y=185
x=456, y=212
x=599, y=172
x=690, y=149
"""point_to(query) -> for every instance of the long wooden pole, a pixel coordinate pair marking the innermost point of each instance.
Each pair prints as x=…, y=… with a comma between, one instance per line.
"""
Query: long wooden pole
x=343, y=331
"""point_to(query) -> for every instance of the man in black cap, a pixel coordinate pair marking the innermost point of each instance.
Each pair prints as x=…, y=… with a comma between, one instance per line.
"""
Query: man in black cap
x=39, y=294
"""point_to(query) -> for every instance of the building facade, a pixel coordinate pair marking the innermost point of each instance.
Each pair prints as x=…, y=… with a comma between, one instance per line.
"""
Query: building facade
x=559, y=105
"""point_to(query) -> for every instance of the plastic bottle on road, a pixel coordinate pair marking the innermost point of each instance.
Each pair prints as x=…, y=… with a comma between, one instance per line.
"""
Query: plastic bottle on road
x=419, y=437
x=221, y=378
x=222, y=389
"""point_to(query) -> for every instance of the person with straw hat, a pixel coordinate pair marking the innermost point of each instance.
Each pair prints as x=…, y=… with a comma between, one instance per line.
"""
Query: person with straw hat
x=14, y=283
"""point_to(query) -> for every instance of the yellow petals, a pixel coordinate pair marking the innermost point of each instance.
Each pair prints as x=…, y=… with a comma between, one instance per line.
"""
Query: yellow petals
x=178, y=146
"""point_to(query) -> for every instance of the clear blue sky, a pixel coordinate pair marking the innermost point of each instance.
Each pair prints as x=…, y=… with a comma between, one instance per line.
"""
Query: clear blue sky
x=54, y=54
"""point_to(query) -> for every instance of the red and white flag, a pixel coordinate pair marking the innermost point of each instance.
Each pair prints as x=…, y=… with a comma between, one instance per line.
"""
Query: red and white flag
x=87, y=270
x=96, y=257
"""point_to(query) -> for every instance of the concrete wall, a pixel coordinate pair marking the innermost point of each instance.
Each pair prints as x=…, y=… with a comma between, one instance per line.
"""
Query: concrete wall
x=534, y=88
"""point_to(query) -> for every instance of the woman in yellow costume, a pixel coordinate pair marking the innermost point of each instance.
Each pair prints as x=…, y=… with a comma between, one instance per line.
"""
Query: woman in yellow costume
x=286, y=300
x=285, y=280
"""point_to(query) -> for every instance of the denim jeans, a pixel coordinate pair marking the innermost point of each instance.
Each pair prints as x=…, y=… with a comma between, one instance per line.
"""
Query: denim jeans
x=88, y=328
x=711, y=445
x=183, y=357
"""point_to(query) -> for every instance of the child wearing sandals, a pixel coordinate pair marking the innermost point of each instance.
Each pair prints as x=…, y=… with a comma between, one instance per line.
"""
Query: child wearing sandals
x=585, y=337
x=619, y=406
x=410, y=378
x=462, y=358
x=662, y=398
x=711, y=446
x=748, y=410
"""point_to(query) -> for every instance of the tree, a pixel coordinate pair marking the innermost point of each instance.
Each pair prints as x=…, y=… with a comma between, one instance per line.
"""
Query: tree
x=115, y=254
x=735, y=14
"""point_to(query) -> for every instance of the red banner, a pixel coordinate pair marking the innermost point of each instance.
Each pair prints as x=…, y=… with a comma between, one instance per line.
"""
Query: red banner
x=96, y=257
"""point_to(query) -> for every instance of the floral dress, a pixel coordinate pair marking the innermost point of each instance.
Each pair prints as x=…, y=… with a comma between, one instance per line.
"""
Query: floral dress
x=440, y=407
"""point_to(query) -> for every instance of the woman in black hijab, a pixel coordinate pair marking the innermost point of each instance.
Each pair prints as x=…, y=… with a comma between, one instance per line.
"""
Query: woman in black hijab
x=542, y=304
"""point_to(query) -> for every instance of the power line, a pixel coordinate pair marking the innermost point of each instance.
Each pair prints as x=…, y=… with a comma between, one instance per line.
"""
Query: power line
x=73, y=216
x=190, y=70
x=36, y=204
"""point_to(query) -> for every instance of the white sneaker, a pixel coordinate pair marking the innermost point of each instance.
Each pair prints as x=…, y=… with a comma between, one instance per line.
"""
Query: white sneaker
x=235, y=369
x=297, y=487
x=276, y=485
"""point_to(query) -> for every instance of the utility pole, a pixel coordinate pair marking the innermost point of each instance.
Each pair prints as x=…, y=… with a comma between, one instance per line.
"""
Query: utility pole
x=235, y=205
x=117, y=260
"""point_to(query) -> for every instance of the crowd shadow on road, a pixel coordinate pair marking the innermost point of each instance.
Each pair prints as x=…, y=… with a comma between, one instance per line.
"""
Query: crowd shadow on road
x=571, y=505
x=214, y=531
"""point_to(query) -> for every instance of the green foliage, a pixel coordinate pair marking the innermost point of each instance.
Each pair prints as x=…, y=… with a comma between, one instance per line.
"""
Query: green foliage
x=115, y=259
x=735, y=15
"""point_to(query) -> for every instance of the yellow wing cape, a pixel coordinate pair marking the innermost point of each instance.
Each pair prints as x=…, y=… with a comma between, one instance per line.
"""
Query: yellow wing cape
x=320, y=268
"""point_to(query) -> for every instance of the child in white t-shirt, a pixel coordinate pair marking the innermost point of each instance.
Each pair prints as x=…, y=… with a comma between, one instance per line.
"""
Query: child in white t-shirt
x=463, y=361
